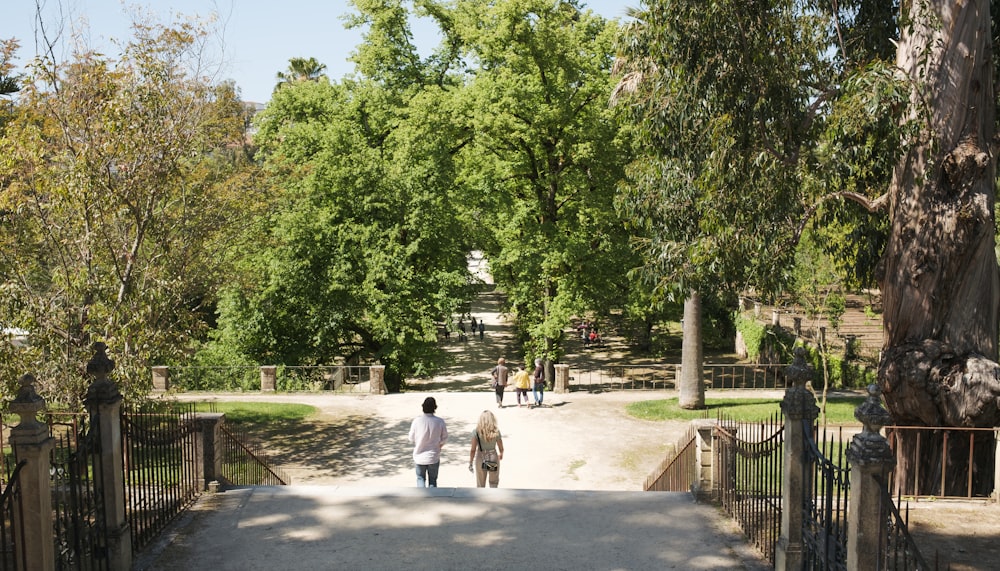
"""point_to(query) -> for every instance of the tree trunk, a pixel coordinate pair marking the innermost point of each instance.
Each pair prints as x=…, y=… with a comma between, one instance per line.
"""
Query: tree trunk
x=692, y=389
x=939, y=273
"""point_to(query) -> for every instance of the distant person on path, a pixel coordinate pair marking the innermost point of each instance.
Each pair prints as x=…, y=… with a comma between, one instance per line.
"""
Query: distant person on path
x=482, y=328
x=522, y=382
x=428, y=434
x=487, y=444
x=538, y=389
x=461, y=330
x=472, y=328
x=499, y=383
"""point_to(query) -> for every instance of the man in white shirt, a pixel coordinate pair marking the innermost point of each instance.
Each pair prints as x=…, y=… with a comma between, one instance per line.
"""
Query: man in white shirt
x=428, y=434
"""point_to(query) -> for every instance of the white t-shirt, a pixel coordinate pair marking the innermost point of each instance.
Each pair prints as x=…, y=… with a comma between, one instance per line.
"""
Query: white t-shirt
x=428, y=434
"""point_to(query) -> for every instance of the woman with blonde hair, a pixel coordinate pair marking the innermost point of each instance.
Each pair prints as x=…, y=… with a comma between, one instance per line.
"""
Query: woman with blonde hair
x=486, y=451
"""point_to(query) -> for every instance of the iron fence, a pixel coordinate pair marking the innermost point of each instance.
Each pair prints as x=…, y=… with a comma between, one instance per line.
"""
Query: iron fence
x=942, y=461
x=748, y=476
x=12, y=549
x=679, y=472
x=901, y=551
x=826, y=473
x=244, y=462
x=653, y=377
x=80, y=522
x=161, y=477
x=229, y=378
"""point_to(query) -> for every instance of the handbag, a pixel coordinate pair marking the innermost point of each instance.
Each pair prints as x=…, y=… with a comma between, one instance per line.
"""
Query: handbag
x=491, y=463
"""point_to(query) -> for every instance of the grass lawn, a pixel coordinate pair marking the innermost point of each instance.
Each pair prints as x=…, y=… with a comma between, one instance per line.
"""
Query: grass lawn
x=251, y=414
x=839, y=410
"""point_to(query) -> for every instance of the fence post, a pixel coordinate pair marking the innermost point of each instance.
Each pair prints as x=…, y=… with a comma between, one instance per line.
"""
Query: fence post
x=161, y=379
x=871, y=461
x=377, y=385
x=797, y=406
x=268, y=378
x=562, y=378
x=104, y=405
x=704, y=485
x=32, y=444
x=996, y=466
x=207, y=459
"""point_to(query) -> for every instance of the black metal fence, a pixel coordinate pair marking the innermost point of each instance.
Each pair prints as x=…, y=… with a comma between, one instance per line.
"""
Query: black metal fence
x=826, y=473
x=901, y=551
x=652, y=377
x=80, y=523
x=161, y=480
x=244, y=462
x=748, y=475
x=12, y=552
x=677, y=473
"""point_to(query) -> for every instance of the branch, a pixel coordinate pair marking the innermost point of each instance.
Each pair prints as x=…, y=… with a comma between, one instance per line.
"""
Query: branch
x=868, y=204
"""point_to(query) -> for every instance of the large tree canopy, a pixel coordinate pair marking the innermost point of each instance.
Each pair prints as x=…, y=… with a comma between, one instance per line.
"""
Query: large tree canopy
x=116, y=192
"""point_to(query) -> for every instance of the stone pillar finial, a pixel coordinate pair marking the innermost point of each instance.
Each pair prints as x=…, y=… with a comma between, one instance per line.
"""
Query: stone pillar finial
x=100, y=366
x=870, y=447
x=27, y=404
x=799, y=403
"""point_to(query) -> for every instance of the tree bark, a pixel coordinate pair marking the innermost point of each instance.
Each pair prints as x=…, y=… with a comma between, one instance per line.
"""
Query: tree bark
x=692, y=389
x=939, y=274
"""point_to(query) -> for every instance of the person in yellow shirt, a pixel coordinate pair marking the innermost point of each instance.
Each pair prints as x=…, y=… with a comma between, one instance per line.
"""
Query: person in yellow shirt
x=522, y=383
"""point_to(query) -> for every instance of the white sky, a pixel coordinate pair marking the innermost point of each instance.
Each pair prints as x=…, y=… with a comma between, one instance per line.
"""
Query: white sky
x=258, y=36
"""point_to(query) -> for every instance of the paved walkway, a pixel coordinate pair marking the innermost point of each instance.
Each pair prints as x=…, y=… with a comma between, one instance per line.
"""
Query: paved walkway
x=302, y=527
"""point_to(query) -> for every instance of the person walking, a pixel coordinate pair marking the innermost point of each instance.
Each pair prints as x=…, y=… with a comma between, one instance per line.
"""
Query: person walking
x=482, y=329
x=487, y=448
x=522, y=382
x=499, y=383
x=538, y=389
x=428, y=434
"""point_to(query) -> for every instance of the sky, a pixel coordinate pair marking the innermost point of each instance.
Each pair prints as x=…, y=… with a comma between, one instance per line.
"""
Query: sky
x=256, y=37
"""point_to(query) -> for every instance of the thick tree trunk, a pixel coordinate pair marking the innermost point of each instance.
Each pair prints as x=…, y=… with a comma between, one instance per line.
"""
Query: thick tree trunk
x=692, y=389
x=939, y=274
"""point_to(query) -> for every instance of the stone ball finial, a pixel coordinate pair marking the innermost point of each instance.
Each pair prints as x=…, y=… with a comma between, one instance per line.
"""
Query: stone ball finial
x=100, y=366
x=870, y=413
x=799, y=372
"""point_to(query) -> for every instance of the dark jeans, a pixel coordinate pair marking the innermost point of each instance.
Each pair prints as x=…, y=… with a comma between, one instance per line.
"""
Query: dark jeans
x=428, y=473
x=499, y=390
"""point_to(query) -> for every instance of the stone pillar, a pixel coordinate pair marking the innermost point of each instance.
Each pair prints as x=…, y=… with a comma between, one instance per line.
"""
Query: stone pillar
x=775, y=318
x=797, y=406
x=797, y=326
x=756, y=309
x=562, y=378
x=32, y=527
x=268, y=378
x=104, y=405
x=377, y=376
x=704, y=486
x=208, y=448
x=161, y=379
x=871, y=461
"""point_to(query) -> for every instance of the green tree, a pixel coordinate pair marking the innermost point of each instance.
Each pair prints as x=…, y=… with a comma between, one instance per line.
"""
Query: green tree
x=118, y=182
x=301, y=69
x=364, y=255
x=544, y=161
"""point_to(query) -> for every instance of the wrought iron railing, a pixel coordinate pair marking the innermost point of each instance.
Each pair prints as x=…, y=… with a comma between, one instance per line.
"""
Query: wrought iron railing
x=12, y=551
x=748, y=475
x=679, y=472
x=826, y=473
x=244, y=462
x=80, y=522
x=653, y=377
x=942, y=461
x=901, y=551
x=240, y=378
x=161, y=480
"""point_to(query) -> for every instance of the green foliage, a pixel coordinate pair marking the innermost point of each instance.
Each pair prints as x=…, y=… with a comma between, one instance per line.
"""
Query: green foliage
x=754, y=335
x=118, y=187
x=840, y=410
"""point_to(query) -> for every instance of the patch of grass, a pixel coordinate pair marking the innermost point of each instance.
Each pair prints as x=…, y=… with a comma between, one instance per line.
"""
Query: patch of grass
x=573, y=467
x=259, y=413
x=839, y=410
